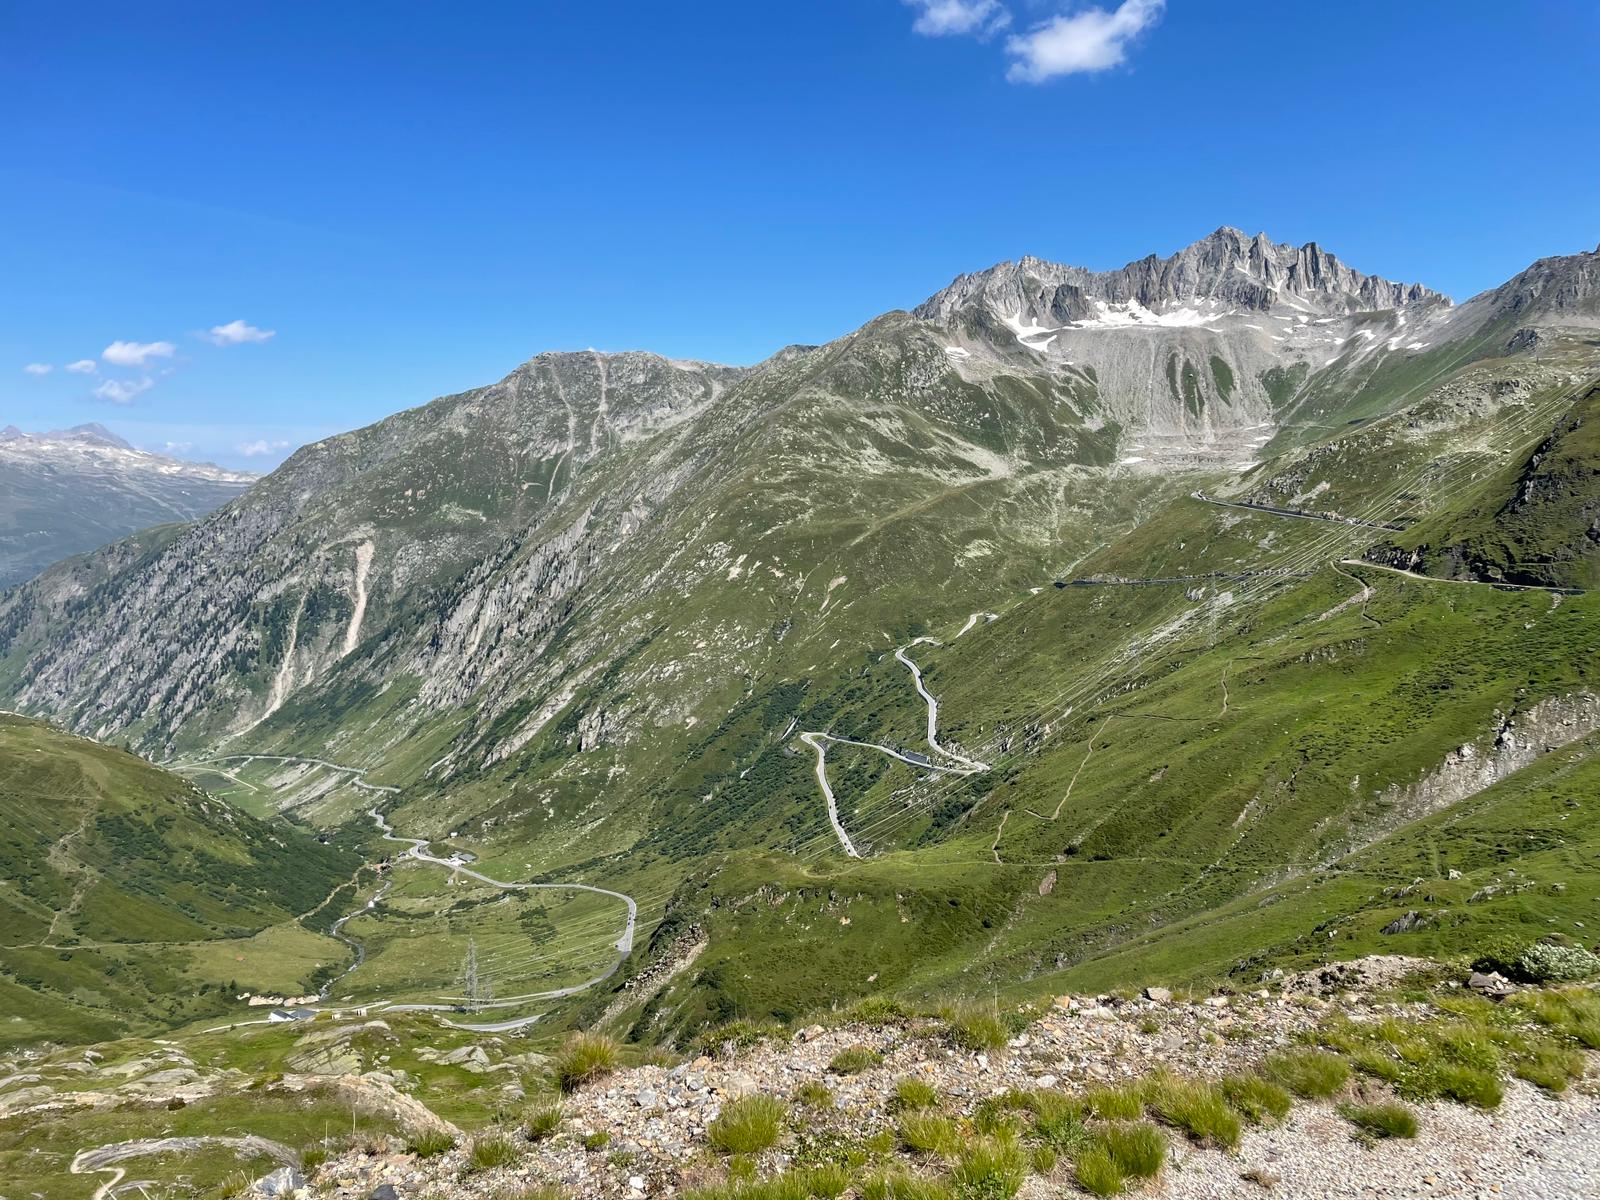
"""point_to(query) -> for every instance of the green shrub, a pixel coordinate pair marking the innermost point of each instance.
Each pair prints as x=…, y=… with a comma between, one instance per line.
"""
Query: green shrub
x=989, y=1169
x=911, y=1094
x=813, y=1093
x=535, y=1191
x=747, y=1124
x=1571, y=1012
x=430, y=1143
x=1542, y=962
x=585, y=1058
x=1139, y=1150
x=542, y=1122
x=1384, y=1120
x=598, y=1140
x=974, y=1028
x=1314, y=1074
x=1098, y=1173
x=490, y=1151
x=852, y=1060
x=313, y=1157
x=929, y=1133
x=1195, y=1107
x=1258, y=1100
x=735, y=1035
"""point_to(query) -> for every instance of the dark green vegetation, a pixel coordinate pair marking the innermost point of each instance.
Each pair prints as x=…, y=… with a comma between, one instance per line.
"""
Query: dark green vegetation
x=134, y=901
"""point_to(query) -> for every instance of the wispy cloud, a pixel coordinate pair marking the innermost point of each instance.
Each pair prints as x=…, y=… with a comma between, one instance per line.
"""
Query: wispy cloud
x=953, y=18
x=38, y=368
x=1085, y=41
x=123, y=391
x=260, y=447
x=136, y=354
x=237, y=333
x=84, y=366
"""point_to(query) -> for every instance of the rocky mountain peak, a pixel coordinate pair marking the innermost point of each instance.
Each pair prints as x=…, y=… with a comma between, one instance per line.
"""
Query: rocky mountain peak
x=1228, y=268
x=1560, y=289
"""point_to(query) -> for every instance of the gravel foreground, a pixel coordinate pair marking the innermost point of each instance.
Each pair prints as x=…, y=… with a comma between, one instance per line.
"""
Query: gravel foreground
x=642, y=1132
x=1532, y=1148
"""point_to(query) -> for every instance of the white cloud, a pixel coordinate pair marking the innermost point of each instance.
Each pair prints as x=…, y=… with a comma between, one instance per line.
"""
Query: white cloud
x=259, y=447
x=949, y=18
x=177, y=447
x=38, y=368
x=236, y=333
x=84, y=366
x=136, y=354
x=1090, y=40
x=120, y=391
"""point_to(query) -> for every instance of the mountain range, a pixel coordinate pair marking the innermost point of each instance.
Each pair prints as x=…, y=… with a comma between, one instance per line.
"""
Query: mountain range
x=1070, y=626
x=71, y=490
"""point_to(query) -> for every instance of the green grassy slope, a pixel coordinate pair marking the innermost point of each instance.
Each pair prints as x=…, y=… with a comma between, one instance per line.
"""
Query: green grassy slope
x=123, y=884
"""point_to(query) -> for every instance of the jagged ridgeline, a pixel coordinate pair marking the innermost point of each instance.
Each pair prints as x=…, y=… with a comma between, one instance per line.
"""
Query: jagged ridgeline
x=1189, y=566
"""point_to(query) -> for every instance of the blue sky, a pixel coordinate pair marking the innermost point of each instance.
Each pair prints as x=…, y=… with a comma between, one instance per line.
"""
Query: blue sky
x=412, y=198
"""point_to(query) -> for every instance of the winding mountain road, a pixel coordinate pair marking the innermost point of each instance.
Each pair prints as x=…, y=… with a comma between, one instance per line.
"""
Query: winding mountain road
x=1298, y=513
x=818, y=739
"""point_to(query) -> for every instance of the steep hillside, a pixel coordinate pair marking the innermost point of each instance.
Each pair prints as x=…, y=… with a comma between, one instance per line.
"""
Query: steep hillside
x=132, y=899
x=986, y=643
x=68, y=491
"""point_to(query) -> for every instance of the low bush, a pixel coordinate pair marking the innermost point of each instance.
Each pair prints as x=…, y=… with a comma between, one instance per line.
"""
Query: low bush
x=974, y=1028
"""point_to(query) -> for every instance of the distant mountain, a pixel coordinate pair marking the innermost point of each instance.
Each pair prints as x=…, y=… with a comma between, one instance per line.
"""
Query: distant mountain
x=71, y=490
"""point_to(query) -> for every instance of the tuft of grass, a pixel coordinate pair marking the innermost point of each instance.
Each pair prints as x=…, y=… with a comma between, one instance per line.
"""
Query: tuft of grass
x=1464, y=1084
x=912, y=1094
x=1196, y=1107
x=1115, y=1103
x=542, y=1122
x=1058, y=1120
x=974, y=1028
x=313, y=1157
x=929, y=1133
x=735, y=1035
x=814, y=1183
x=585, y=1058
x=430, y=1143
x=852, y=1060
x=1097, y=1172
x=1570, y=1012
x=900, y=1186
x=1549, y=1066
x=813, y=1093
x=989, y=1168
x=490, y=1151
x=1042, y=1158
x=537, y=1191
x=598, y=1140
x=878, y=1011
x=1139, y=1150
x=1314, y=1074
x=747, y=1124
x=1384, y=1120
x=1258, y=1100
